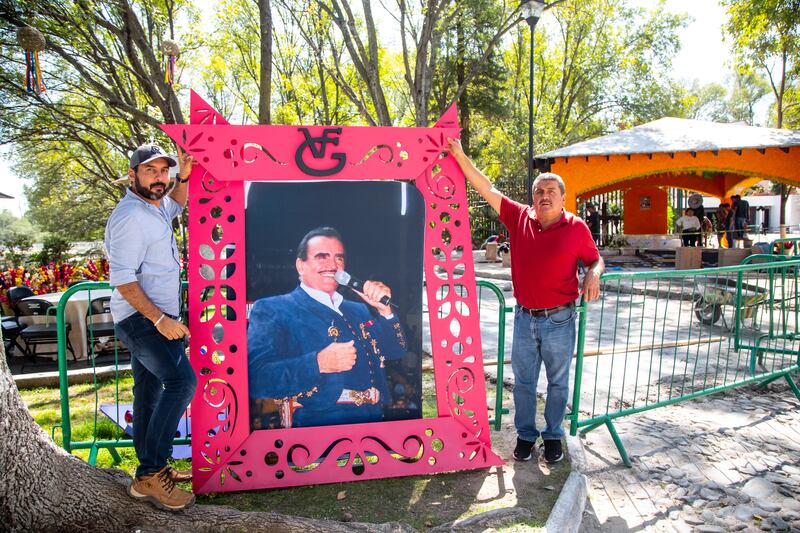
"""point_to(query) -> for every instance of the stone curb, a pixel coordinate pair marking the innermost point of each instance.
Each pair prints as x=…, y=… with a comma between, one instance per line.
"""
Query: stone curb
x=567, y=513
x=51, y=379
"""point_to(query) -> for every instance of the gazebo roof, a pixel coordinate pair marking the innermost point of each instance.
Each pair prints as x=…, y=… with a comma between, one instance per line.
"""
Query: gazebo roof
x=671, y=135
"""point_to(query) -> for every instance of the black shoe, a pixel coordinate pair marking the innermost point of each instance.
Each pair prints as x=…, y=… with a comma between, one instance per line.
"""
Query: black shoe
x=552, y=451
x=524, y=450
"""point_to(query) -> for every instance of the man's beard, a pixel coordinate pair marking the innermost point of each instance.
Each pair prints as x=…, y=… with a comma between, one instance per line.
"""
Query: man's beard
x=145, y=192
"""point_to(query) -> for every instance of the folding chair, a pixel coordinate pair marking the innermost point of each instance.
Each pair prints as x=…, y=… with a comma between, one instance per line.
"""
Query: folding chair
x=98, y=325
x=47, y=333
x=11, y=324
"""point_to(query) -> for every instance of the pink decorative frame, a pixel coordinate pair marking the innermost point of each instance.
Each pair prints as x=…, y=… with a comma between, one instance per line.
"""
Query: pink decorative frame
x=226, y=455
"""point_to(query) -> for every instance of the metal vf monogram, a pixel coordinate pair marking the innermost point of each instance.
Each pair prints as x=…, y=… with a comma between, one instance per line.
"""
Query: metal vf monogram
x=318, y=146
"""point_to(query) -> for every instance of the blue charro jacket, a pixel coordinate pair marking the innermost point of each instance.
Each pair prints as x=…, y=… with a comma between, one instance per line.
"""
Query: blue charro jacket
x=286, y=333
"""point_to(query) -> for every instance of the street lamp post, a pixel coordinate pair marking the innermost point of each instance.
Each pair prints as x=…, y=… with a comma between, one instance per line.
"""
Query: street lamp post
x=531, y=11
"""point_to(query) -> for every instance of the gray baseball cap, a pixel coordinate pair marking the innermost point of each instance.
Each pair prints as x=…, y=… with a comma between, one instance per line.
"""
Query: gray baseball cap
x=147, y=152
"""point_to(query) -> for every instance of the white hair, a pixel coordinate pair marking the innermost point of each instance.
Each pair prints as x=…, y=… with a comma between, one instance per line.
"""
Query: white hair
x=550, y=176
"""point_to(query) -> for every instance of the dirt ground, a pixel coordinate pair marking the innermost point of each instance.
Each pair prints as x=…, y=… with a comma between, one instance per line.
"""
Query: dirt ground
x=424, y=502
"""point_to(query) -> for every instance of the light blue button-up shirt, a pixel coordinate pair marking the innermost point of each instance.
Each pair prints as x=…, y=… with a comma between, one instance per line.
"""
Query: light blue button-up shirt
x=141, y=247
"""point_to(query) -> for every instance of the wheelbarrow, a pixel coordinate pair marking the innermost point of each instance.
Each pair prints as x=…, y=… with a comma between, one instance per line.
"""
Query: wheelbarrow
x=712, y=294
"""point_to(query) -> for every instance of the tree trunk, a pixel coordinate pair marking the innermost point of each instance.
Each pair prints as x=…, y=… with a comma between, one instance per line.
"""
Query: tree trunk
x=265, y=69
x=43, y=488
x=784, y=192
x=779, y=92
x=463, y=101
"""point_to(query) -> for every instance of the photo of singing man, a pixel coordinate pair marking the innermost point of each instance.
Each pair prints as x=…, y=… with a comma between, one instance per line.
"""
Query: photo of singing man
x=334, y=349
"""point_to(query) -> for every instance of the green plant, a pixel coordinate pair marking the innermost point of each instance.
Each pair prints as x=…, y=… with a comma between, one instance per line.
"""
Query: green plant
x=618, y=241
x=54, y=249
x=615, y=209
x=17, y=249
x=670, y=218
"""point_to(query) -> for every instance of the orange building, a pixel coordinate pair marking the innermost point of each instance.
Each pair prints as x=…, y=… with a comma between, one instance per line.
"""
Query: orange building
x=706, y=157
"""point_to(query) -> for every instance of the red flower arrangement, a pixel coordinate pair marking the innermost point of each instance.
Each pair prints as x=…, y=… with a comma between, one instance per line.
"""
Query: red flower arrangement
x=54, y=277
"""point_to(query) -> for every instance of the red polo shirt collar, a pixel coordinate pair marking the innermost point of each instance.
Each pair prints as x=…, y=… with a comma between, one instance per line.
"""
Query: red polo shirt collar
x=560, y=222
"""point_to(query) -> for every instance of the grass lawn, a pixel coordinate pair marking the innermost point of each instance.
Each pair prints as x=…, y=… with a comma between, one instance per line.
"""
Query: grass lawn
x=420, y=501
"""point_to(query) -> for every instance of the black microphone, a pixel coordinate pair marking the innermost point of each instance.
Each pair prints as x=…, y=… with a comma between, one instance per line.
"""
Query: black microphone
x=343, y=278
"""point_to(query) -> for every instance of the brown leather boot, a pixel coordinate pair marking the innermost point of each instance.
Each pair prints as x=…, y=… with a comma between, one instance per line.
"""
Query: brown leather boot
x=179, y=476
x=161, y=491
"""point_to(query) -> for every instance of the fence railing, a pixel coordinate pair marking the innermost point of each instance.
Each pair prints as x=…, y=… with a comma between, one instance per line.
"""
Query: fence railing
x=658, y=338
x=104, y=433
x=502, y=310
x=652, y=340
x=111, y=436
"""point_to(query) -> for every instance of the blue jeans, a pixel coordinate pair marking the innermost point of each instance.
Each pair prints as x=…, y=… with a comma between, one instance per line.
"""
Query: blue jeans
x=549, y=340
x=163, y=386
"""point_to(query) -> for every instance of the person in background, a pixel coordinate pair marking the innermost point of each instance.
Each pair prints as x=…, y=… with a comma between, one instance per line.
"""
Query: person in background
x=593, y=221
x=707, y=229
x=689, y=227
x=742, y=217
x=730, y=226
x=723, y=217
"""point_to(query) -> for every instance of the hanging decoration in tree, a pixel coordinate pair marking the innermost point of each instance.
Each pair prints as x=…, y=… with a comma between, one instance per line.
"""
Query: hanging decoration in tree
x=171, y=52
x=33, y=42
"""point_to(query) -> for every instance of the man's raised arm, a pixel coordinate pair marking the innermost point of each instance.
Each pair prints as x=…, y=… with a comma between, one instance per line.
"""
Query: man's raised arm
x=477, y=178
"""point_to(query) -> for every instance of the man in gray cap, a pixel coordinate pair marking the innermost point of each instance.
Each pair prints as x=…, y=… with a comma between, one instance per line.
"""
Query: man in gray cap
x=145, y=269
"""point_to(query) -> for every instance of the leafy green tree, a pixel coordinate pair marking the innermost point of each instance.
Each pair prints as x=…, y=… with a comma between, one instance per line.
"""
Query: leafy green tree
x=766, y=37
x=55, y=248
x=599, y=65
x=748, y=89
x=12, y=226
x=106, y=94
x=708, y=102
x=17, y=236
x=463, y=45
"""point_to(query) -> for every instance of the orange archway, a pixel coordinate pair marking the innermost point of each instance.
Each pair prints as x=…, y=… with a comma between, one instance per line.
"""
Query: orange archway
x=707, y=157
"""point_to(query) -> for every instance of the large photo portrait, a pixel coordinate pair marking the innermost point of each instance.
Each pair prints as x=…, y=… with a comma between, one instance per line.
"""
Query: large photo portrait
x=309, y=245
x=334, y=293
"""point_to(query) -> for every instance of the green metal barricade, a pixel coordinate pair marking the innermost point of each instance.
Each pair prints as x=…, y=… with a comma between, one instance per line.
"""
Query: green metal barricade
x=492, y=312
x=502, y=309
x=658, y=338
x=110, y=439
x=786, y=246
x=119, y=439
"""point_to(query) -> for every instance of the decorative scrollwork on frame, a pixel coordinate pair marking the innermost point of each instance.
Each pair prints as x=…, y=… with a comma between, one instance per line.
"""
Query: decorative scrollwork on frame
x=441, y=185
x=381, y=150
x=347, y=453
x=459, y=386
x=404, y=455
x=299, y=456
x=212, y=184
x=251, y=146
x=214, y=463
x=218, y=394
x=206, y=116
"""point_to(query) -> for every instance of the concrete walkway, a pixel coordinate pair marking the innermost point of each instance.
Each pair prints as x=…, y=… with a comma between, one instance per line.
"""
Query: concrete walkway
x=727, y=462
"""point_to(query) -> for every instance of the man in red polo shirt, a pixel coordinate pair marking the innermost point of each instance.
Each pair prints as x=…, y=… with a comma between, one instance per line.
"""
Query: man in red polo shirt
x=547, y=243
